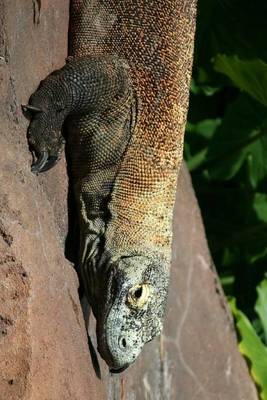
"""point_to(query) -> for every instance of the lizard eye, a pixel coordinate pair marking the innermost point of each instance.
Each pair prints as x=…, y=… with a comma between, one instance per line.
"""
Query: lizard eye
x=138, y=295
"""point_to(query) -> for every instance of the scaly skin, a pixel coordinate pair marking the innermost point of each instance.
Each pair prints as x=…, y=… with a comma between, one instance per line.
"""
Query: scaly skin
x=125, y=107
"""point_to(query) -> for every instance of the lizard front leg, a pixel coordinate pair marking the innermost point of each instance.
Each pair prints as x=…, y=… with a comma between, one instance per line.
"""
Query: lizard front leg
x=88, y=86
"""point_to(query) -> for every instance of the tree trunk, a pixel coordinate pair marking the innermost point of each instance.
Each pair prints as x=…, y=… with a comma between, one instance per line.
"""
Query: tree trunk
x=43, y=343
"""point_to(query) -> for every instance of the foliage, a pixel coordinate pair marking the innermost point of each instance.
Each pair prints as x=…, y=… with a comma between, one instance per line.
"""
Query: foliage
x=252, y=347
x=226, y=152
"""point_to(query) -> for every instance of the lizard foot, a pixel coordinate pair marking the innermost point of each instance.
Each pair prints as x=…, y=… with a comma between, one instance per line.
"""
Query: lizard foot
x=45, y=141
x=82, y=86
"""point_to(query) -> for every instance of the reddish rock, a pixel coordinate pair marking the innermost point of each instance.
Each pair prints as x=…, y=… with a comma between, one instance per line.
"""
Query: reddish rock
x=43, y=343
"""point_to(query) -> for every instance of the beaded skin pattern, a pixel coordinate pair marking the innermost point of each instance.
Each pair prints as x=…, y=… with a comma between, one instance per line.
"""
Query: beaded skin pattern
x=156, y=39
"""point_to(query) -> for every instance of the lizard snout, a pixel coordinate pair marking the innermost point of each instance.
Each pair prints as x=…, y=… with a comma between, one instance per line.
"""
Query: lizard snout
x=121, y=342
x=120, y=352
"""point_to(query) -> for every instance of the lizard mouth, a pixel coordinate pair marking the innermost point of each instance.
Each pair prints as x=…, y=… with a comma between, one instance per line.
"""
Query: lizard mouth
x=119, y=370
x=116, y=365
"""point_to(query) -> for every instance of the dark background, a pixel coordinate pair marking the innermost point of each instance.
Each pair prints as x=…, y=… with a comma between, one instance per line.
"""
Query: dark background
x=226, y=153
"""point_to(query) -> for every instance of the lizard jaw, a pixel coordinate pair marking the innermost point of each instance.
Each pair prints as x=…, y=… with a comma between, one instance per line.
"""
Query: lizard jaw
x=117, y=348
x=118, y=371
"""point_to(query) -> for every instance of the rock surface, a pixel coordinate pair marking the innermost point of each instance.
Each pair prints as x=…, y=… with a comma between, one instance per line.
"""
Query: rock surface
x=43, y=345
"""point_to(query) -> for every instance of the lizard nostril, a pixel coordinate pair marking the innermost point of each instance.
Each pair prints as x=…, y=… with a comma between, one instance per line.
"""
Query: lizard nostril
x=122, y=343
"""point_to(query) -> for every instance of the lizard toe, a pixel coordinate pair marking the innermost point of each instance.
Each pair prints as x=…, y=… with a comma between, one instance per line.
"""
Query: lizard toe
x=51, y=161
x=40, y=162
x=44, y=162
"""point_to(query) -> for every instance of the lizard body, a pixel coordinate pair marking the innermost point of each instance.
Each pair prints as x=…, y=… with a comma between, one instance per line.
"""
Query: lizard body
x=118, y=95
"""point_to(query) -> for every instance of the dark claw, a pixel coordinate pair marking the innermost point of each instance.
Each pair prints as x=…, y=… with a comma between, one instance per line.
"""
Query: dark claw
x=28, y=107
x=40, y=163
x=28, y=110
x=52, y=160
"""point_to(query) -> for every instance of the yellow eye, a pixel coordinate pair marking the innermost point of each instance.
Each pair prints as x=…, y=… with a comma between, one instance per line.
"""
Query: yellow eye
x=138, y=295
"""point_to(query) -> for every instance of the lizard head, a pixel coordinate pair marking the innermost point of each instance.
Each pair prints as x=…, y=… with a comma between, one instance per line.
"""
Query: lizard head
x=133, y=309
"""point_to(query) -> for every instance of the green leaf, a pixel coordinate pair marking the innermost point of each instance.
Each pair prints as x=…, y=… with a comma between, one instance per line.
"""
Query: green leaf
x=205, y=128
x=196, y=160
x=197, y=135
x=256, y=153
x=247, y=75
x=200, y=85
x=260, y=206
x=240, y=135
x=203, y=106
x=253, y=349
x=230, y=27
x=261, y=305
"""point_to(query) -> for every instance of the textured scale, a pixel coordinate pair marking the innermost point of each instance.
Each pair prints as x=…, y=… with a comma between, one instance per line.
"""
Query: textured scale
x=148, y=35
x=122, y=97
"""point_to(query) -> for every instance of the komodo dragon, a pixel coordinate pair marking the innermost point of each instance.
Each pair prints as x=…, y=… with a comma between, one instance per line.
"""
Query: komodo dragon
x=123, y=97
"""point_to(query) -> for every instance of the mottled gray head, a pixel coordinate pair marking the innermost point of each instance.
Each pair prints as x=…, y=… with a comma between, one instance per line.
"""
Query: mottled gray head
x=132, y=310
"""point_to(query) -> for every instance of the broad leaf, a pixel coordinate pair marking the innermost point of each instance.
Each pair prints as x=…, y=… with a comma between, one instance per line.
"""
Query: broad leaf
x=247, y=75
x=241, y=134
x=261, y=306
x=230, y=27
x=260, y=207
x=252, y=347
